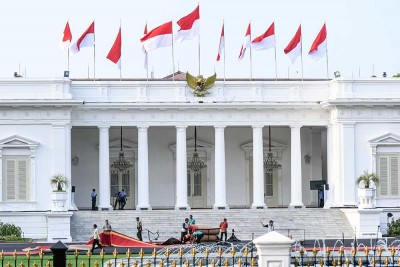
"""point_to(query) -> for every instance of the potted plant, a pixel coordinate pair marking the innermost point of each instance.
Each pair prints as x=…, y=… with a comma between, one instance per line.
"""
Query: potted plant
x=59, y=196
x=59, y=181
x=366, y=192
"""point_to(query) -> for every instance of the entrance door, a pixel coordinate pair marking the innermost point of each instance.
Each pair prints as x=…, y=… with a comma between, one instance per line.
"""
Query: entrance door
x=119, y=181
x=196, y=189
x=271, y=188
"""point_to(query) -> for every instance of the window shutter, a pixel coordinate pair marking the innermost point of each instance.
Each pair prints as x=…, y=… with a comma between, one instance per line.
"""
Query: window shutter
x=383, y=176
x=22, y=180
x=10, y=179
x=394, y=176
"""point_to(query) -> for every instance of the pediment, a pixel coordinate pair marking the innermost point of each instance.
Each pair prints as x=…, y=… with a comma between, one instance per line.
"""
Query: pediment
x=17, y=141
x=274, y=145
x=386, y=140
x=201, y=146
x=126, y=145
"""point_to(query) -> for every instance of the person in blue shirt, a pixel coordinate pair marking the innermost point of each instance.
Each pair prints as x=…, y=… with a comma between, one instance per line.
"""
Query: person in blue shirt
x=191, y=221
x=122, y=199
x=197, y=236
x=93, y=195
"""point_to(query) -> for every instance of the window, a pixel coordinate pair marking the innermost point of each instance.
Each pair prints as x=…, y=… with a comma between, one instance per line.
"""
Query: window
x=388, y=172
x=269, y=184
x=16, y=178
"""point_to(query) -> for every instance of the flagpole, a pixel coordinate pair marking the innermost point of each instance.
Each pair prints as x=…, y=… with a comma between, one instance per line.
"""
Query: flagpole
x=147, y=60
x=251, y=61
x=94, y=52
x=198, y=3
x=301, y=55
x=68, y=47
x=173, y=57
x=326, y=52
x=223, y=26
x=120, y=59
x=276, y=66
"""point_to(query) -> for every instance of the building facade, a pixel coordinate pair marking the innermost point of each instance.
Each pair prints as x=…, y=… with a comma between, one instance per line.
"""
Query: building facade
x=317, y=130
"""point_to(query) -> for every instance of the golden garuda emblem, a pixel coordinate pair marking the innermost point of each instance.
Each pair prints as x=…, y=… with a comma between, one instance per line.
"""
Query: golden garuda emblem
x=199, y=84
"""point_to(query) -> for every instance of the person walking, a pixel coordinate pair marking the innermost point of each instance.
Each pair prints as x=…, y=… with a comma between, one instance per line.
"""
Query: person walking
x=139, y=228
x=184, y=229
x=122, y=199
x=93, y=195
x=191, y=221
x=223, y=226
x=96, y=238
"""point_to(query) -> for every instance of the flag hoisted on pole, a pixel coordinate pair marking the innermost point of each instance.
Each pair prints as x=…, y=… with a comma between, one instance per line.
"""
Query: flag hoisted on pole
x=266, y=41
x=294, y=49
x=246, y=44
x=189, y=28
x=319, y=48
x=115, y=52
x=222, y=46
x=87, y=39
x=66, y=40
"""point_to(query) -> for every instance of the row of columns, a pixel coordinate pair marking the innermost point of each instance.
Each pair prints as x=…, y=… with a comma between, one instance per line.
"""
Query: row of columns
x=181, y=168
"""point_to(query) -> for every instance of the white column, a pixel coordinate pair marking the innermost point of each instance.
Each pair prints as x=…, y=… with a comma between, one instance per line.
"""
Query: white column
x=295, y=161
x=347, y=155
x=68, y=163
x=258, y=169
x=104, y=169
x=181, y=169
x=143, y=169
x=220, y=183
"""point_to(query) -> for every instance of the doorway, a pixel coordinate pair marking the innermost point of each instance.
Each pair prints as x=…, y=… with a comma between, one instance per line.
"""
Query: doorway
x=119, y=181
x=196, y=188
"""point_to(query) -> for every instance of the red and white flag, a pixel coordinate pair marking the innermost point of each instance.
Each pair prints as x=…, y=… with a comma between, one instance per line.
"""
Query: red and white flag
x=319, y=46
x=115, y=52
x=266, y=40
x=144, y=51
x=190, y=26
x=221, y=43
x=293, y=50
x=158, y=37
x=86, y=40
x=67, y=38
x=246, y=42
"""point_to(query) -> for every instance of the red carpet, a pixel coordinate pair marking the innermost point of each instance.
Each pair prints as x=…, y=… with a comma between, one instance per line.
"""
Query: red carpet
x=115, y=239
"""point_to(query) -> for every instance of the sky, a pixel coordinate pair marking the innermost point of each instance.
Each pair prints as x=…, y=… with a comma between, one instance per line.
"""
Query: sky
x=363, y=37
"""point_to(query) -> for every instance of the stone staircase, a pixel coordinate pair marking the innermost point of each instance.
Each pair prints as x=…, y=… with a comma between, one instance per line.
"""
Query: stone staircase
x=299, y=223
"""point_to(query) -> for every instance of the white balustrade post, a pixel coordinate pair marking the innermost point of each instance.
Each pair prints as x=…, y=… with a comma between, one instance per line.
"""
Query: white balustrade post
x=181, y=169
x=258, y=169
x=296, y=181
x=273, y=250
x=143, y=169
x=220, y=183
x=104, y=169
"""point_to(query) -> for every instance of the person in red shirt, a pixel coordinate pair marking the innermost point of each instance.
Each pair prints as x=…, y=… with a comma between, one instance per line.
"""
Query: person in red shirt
x=223, y=226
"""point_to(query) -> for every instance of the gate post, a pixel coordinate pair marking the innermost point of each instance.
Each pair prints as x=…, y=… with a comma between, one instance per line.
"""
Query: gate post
x=273, y=250
x=59, y=256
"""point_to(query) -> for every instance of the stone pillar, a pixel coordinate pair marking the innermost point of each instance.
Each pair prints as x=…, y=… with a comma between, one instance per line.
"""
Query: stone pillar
x=347, y=156
x=59, y=226
x=181, y=169
x=143, y=169
x=68, y=166
x=295, y=161
x=104, y=169
x=258, y=169
x=273, y=250
x=220, y=183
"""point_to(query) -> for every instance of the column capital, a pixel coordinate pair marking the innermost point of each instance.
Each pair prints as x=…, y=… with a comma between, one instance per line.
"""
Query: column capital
x=143, y=128
x=103, y=127
x=219, y=127
x=181, y=127
x=295, y=126
x=257, y=126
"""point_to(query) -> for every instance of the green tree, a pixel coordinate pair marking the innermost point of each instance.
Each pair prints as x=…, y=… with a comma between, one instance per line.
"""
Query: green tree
x=397, y=75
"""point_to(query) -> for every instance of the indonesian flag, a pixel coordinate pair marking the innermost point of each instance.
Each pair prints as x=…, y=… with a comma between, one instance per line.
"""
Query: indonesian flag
x=266, y=40
x=158, y=37
x=190, y=26
x=115, y=52
x=67, y=38
x=318, y=48
x=246, y=42
x=144, y=51
x=86, y=40
x=221, y=43
x=293, y=50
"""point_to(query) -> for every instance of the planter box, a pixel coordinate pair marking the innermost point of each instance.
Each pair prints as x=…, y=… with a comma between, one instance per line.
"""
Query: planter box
x=59, y=201
x=367, y=198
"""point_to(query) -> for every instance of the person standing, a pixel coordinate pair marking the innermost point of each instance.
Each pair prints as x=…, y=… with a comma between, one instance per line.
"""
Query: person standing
x=107, y=226
x=93, y=195
x=122, y=199
x=106, y=238
x=270, y=225
x=223, y=226
x=139, y=228
x=96, y=238
x=184, y=229
x=191, y=221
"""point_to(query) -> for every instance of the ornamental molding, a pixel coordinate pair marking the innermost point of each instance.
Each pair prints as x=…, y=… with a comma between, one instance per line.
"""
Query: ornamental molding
x=17, y=141
x=388, y=139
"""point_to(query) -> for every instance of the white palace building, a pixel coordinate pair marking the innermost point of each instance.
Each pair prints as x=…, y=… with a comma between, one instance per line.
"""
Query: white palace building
x=324, y=131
